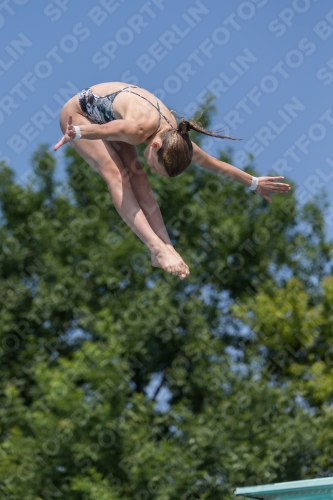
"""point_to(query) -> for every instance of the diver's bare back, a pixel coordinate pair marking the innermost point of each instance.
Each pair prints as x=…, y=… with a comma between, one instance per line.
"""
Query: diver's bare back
x=127, y=105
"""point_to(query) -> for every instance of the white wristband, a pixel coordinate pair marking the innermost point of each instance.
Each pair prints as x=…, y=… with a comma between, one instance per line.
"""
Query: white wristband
x=255, y=182
x=78, y=134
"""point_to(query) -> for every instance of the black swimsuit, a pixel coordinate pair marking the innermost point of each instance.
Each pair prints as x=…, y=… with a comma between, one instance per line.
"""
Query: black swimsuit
x=99, y=109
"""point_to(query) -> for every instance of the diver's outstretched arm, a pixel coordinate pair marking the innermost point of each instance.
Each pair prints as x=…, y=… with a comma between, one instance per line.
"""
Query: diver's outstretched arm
x=266, y=185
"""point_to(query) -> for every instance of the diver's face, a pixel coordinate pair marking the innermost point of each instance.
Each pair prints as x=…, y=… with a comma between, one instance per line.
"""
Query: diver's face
x=150, y=154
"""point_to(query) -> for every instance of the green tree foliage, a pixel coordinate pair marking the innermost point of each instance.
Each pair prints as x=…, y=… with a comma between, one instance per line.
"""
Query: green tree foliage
x=118, y=381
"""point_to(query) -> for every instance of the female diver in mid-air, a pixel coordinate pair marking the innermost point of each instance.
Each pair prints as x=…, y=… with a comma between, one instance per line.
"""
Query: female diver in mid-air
x=110, y=120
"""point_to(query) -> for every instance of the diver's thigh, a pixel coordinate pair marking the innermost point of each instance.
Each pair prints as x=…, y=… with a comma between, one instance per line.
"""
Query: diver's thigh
x=100, y=157
x=99, y=154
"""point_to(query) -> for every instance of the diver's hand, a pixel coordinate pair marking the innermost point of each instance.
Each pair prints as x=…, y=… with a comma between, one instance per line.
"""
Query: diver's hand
x=69, y=134
x=267, y=185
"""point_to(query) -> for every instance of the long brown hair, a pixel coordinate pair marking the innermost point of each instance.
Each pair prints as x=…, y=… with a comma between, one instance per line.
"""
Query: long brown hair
x=176, y=151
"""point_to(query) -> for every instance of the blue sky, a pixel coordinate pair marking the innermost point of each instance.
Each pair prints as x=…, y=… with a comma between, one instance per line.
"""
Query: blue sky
x=269, y=64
